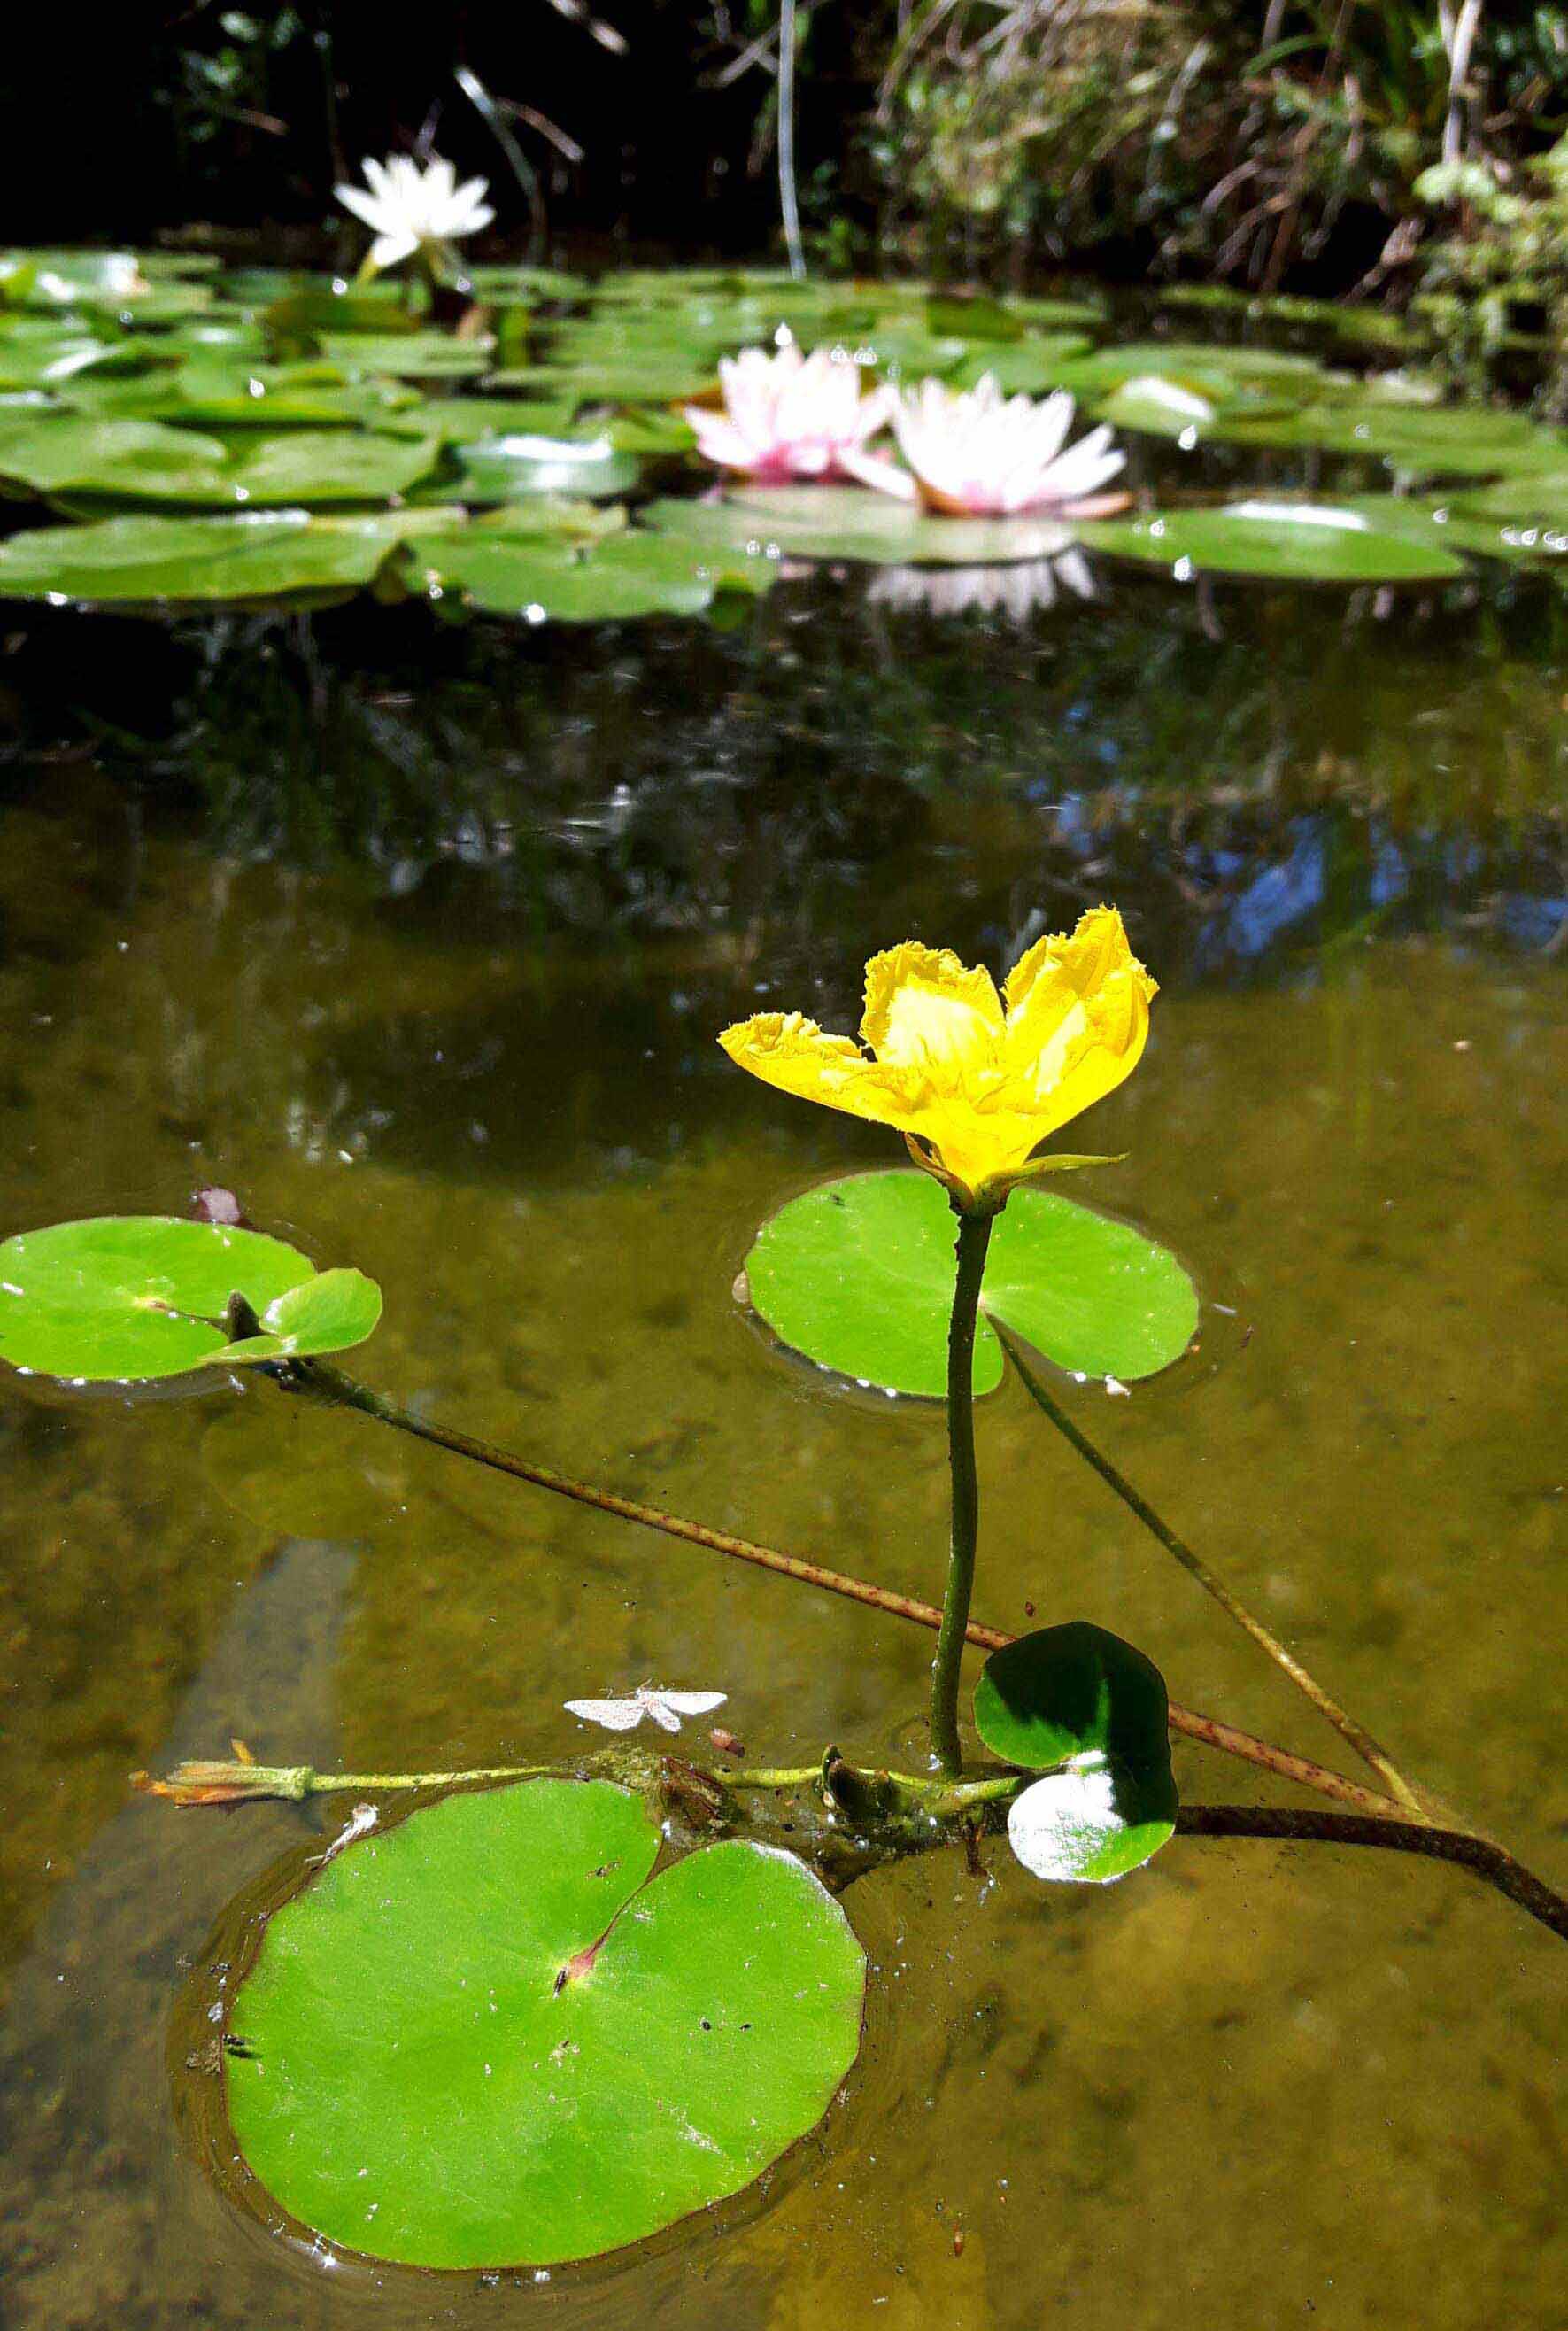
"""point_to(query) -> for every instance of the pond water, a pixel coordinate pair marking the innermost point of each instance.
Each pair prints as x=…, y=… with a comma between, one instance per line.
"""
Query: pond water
x=419, y=938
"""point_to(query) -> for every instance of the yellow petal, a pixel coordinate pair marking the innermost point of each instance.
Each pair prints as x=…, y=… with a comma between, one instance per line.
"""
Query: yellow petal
x=1077, y=961
x=787, y=1050
x=928, y=1011
x=1077, y=1019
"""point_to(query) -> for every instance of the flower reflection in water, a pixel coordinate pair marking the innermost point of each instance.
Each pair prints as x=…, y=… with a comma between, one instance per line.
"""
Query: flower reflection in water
x=1017, y=590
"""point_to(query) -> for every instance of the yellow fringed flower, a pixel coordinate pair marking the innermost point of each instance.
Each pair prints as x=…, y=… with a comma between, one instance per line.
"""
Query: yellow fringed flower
x=974, y=1086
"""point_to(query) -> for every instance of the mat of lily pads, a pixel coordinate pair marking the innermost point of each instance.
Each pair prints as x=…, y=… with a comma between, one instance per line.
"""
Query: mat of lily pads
x=148, y=401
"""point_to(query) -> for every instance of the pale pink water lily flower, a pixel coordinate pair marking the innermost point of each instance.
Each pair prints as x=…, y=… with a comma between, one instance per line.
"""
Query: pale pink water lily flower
x=410, y=209
x=973, y=453
x=787, y=415
x=665, y=1708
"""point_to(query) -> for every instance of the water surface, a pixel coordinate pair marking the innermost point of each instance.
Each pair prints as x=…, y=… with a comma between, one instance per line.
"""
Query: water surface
x=419, y=939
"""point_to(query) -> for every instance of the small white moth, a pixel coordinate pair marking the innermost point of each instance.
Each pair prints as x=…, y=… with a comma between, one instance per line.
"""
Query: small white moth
x=665, y=1708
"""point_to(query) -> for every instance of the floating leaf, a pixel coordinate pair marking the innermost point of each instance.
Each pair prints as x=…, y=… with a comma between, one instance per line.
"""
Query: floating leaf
x=1074, y=1690
x=500, y=469
x=1080, y=1698
x=857, y=1275
x=202, y=560
x=1414, y=438
x=125, y=1297
x=1531, y=505
x=1278, y=541
x=485, y=2038
x=1029, y=365
x=151, y=461
x=1089, y=1824
x=408, y=356
x=614, y=577
x=852, y=523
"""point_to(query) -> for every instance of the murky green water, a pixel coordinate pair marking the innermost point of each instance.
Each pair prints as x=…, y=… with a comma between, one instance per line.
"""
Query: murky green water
x=419, y=939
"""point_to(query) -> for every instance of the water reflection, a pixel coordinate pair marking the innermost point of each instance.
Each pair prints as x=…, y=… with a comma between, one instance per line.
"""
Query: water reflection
x=1019, y=591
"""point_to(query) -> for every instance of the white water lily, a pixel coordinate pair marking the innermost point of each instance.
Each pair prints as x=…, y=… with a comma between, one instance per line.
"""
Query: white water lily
x=665, y=1708
x=408, y=209
x=1016, y=591
x=973, y=453
x=788, y=415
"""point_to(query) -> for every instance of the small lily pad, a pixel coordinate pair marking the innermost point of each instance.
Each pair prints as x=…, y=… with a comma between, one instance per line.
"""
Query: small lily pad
x=1073, y=1691
x=125, y=1297
x=1079, y=1700
x=490, y=2038
x=1089, y=1824
x=855, y=524
x=1276, y=541
x=857, y=1275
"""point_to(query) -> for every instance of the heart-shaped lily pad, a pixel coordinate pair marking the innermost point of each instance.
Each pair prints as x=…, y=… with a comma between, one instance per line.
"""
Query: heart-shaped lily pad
x=1081, y=1700
x=486, y=2039
x=859, y=1274
x=125, y=1297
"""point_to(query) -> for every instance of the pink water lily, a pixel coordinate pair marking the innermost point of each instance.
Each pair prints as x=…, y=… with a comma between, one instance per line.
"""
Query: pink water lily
x=973, y=453
x=788, y=415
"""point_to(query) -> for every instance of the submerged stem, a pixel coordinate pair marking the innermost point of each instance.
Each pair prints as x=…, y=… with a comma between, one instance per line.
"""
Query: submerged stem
x=893, y=1813
x=316, y=1380
x=973, y=1238
x=1370, y=1750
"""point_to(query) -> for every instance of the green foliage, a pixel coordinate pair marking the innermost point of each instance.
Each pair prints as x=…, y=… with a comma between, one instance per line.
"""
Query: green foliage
x=1084, y=1705
x=119, y=1299
x=1279, y=541
x=857, y=1275
x=1498, y=281
x=491, y=2037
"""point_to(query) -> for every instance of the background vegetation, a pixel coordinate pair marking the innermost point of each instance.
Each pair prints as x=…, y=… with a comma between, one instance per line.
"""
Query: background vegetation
x=1403, y=150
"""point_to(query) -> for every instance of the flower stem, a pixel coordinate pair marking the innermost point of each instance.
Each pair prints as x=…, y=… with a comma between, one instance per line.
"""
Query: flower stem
x=1371, y=1751
x=973, y=1238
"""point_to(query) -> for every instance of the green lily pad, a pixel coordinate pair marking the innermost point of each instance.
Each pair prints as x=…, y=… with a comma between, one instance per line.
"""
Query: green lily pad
x=1079, y=1700
x=501, y=469
x=1508, y=522
x=609, y=578
x=212, y=392
x=151, y=462
x=197, y=561
x=1029, y=365
x=655, y=378
x=1091, y=1823
x=487, y=2038
x=857, y=1275
x=1277, y=541
x=408, y=356
x=1073, y=1691
x=854, y=524
x=125, y=1297
x=1531, y=507
x=467, y=419
x=1415, y=439
x=47, y=358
